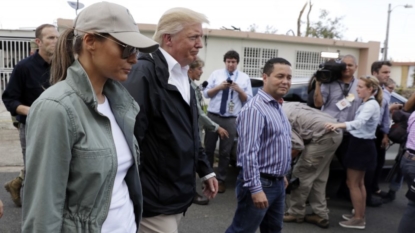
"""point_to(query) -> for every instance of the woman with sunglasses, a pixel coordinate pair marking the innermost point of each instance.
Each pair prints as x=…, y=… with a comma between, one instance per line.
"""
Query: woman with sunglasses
x=82, y=157
x=361, y=154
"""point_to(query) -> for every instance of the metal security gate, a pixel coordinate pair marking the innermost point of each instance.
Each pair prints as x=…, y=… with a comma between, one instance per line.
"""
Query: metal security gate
x=12, y=50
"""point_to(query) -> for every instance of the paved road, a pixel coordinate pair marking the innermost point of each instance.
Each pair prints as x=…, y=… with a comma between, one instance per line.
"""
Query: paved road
x=215, y=217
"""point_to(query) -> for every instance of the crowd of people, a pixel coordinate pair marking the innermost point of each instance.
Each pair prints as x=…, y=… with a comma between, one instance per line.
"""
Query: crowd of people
x=111, y=126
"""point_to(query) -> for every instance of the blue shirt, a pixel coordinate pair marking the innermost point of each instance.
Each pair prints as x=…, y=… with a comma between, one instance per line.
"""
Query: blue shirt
x=215, y=79
x=264, y=143
x=366, y=120
x=332, y=93
x=384, y=112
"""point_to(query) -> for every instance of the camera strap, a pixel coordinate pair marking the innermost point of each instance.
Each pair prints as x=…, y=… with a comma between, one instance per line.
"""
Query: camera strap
x=229, y=77
x=346, y=91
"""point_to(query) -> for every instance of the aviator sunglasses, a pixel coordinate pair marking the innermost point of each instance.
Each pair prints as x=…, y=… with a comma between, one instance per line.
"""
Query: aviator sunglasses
x=127, y=51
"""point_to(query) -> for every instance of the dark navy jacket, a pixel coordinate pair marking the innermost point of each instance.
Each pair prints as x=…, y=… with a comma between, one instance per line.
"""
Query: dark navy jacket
x=168, y=135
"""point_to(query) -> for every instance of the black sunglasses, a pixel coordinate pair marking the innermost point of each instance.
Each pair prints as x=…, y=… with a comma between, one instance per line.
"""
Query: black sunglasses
x=127, y=51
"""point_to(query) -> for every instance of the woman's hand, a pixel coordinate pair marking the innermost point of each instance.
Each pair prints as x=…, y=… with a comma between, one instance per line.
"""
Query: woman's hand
x=334, y=126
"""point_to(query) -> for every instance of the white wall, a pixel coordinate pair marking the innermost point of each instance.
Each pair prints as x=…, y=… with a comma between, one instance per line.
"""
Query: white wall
x=396, y=74
x=216, y=47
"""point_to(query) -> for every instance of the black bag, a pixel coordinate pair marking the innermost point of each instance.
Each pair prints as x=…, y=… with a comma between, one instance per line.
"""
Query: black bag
x=398, y=131
x=411, y=192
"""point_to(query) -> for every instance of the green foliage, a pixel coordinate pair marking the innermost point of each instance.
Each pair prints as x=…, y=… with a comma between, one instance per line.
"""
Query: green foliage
x=326, y=27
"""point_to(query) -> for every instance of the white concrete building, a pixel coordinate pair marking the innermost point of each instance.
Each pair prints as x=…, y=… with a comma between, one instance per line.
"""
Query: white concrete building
x=254, y=49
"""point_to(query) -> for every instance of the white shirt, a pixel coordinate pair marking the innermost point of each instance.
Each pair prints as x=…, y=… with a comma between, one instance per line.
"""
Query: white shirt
x=216, y=78
x=178, y=76
x=121, y=218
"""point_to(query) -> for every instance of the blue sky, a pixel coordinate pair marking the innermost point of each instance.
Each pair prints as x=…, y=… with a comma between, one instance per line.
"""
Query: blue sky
x=365, y=19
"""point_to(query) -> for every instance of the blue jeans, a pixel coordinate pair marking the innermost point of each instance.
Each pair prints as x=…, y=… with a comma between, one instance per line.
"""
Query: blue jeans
x=407, y=222
x=408, y=218
x=248, y=218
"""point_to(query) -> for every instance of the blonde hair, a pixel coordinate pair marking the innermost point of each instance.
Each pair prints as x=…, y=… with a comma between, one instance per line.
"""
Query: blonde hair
x=372, y=82
x=197, y=63
x=175, y=20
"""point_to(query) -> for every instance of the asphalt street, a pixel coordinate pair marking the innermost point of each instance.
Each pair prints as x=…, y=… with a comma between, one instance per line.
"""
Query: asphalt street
x=213, y=218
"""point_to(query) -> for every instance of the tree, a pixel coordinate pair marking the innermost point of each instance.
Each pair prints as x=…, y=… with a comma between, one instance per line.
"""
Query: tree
x=326, y=27
x=253, y=28
x=270, y=30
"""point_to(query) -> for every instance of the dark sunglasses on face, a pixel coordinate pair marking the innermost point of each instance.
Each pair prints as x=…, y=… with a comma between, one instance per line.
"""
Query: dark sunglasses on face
x=127, y=51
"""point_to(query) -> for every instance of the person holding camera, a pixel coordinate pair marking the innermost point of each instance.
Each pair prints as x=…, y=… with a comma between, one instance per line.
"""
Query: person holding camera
x=339, y=99
x=228, y=90
x=318, y=145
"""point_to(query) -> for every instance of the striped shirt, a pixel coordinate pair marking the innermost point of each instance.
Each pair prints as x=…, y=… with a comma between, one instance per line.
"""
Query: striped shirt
x=264, y=143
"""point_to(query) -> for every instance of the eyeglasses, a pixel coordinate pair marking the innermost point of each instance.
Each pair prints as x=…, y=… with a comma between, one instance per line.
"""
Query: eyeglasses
x=127, y=51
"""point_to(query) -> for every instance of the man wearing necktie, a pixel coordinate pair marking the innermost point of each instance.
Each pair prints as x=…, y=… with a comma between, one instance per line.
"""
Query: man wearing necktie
x=228, y=89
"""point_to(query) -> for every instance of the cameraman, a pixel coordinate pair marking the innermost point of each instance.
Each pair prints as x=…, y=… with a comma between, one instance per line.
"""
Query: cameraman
x=339, y=100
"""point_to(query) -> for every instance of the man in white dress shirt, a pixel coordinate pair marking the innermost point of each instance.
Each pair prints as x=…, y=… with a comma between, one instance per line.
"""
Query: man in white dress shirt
x=167, y=125
x=228, y=89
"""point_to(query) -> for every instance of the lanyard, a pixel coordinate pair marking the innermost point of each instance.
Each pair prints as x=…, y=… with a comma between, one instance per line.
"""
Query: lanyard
x=236, y=77
x=346, y=91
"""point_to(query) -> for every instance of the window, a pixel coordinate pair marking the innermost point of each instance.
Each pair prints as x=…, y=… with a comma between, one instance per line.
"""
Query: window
x=306, y=63
x=255, y=58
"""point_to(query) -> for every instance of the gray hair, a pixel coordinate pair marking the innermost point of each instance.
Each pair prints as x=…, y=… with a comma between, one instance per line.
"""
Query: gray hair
x=175, y=20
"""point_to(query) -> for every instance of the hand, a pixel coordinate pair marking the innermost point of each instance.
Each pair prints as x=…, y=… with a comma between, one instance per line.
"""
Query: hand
x=222, y=133
x=332, y=126
x=295, y=153
x=260, y=200
x=234, y=86
x=285, y=182
x=1, y=209
x=385, y=142
x=223, y=85
x=210, y=187
x=395, y=106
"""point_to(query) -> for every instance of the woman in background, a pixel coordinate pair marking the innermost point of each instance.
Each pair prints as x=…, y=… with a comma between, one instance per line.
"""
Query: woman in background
x=361, y=155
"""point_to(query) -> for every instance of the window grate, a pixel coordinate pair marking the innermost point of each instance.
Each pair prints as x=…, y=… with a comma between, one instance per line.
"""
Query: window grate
x=255, y=59
x=306, y=63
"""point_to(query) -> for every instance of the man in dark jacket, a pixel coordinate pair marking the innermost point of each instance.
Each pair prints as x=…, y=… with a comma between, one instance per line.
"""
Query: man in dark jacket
x=167, y=125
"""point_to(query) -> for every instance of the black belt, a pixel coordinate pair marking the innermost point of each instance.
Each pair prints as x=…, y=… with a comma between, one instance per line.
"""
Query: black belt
x=410, y=151
x=409, y=155
x=221, y=115
x=270, y=177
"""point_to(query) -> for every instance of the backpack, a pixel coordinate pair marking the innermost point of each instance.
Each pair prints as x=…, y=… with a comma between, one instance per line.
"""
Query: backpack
x=398, y=130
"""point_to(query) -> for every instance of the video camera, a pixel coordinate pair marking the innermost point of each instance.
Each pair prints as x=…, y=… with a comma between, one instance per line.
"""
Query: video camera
x=330, y=71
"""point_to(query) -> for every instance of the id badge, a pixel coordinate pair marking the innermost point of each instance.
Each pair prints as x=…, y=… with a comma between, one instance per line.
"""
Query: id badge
x=342, y=104
x=350, y=97
x=231, y=107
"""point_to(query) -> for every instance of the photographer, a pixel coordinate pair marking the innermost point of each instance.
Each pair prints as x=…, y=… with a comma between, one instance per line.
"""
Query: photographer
x=312, y=168
x=339, y=99
x=228, y=90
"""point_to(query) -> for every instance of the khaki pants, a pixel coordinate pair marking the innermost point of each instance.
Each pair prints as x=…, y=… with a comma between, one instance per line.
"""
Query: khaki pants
x=160, y=224
x=312, y=169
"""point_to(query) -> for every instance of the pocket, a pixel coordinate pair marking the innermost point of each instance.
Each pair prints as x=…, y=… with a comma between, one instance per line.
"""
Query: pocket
x=266, y=183
x=89, y=178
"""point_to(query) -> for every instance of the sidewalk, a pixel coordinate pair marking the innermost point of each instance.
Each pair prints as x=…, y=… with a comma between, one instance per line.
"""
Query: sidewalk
x=10, y=152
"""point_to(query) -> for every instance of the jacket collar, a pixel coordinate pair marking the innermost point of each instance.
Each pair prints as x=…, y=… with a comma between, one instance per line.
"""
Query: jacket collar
x=78, y=79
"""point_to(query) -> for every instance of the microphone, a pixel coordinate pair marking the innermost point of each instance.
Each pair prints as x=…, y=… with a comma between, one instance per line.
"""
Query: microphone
x=204, y=84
